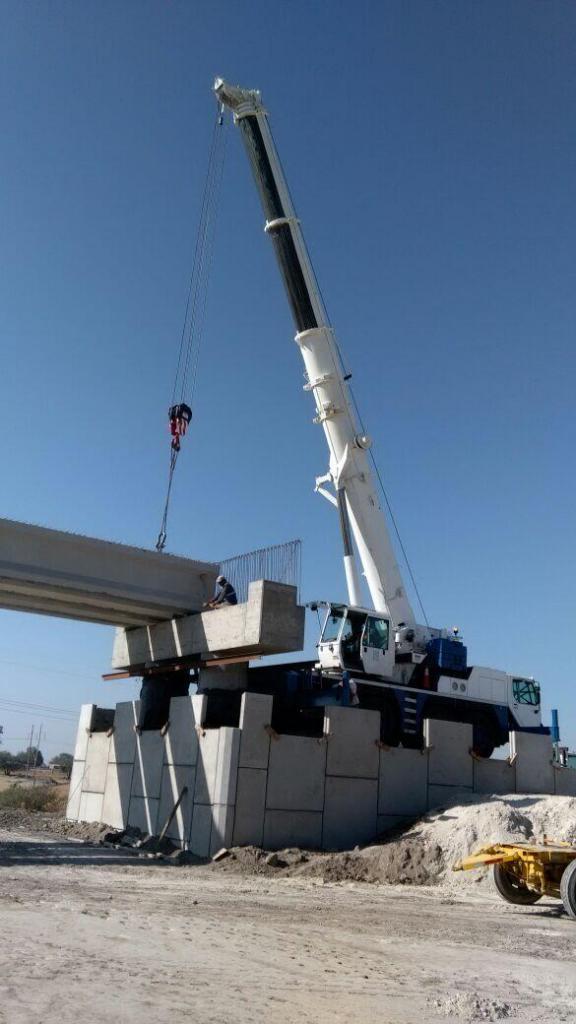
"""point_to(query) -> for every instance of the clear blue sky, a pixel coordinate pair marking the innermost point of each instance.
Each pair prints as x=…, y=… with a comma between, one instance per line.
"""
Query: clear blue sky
x=431, y=150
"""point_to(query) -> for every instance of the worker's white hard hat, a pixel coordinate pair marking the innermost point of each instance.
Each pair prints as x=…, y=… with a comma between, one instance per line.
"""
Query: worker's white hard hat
x=220, y=579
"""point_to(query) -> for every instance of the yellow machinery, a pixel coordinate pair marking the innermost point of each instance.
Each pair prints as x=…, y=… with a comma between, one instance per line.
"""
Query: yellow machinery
x=524, y=872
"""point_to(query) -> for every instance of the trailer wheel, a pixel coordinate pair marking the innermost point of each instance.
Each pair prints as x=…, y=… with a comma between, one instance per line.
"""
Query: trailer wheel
x=512, y=889
x=568, y=889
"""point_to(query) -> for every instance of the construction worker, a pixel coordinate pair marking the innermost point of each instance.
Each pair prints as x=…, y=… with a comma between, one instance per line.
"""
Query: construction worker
x=225, y=594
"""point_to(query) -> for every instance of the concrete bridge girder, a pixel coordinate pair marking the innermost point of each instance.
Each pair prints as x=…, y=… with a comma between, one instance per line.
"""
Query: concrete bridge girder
x=50, y=572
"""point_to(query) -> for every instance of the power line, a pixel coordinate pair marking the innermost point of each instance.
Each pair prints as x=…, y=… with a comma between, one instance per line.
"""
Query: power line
x=37, y=706
x=52, y=671
x=34, y=714
x=33, y=710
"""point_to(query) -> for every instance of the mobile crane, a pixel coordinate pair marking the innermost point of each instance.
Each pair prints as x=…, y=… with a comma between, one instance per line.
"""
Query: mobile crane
x=379, y=658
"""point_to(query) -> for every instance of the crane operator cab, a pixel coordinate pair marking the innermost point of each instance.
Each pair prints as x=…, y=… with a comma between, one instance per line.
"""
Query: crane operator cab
x=356, y=640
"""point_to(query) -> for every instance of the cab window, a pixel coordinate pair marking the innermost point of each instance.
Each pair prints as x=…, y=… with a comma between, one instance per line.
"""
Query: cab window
x=377, y=633
x=332, y=626
x=348, y=629
x=526, y=691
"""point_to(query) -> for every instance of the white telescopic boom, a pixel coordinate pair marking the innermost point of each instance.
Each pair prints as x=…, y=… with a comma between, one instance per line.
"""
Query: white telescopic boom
x=349, y=469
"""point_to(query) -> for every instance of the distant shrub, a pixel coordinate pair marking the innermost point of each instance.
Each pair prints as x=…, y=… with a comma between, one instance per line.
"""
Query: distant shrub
x=33, y=798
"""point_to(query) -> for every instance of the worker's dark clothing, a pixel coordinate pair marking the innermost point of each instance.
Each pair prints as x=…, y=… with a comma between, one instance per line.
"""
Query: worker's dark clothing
x=227, y=595
x=155, y=695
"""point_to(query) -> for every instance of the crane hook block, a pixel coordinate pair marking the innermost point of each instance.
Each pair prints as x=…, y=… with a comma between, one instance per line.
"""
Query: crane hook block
x=179, y=417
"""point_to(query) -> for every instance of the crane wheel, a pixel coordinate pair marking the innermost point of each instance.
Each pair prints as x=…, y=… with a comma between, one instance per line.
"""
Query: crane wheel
x=512, y=889
x=568, y=889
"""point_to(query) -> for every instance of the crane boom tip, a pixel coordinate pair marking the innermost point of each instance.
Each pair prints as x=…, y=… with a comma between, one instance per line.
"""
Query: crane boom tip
x=234, y=97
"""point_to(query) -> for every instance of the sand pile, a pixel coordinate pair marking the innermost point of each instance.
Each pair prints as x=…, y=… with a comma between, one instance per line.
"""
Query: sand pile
x=424, y=853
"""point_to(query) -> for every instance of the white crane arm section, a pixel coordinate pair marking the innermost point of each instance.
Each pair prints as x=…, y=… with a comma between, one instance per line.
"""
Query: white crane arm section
x=349, y=466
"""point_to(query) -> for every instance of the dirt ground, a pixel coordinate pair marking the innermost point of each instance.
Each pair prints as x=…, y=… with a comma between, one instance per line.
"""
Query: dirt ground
x=95, y=934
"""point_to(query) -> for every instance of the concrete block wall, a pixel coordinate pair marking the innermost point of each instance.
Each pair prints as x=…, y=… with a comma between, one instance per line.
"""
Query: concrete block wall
x=249, y=785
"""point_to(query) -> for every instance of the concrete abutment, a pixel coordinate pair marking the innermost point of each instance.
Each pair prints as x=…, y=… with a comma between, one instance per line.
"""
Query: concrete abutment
x=249, y=785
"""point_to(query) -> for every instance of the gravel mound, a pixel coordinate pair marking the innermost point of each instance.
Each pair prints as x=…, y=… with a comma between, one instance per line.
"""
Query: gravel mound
x=54, y=824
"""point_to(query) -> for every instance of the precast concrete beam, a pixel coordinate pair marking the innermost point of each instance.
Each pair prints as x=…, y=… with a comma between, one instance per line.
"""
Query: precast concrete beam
x=269, y=622
x=64, y=574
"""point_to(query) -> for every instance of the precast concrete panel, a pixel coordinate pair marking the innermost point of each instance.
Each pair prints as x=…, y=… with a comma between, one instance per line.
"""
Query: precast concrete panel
x=565, y=781
x=91, y=807
x=148, y=760
x=181, y=740
x=250, y=806
x=387, y=822
x=217, y=766
x=296, y=774
x=201, y=831
x=450, y=760
x=448, y=796
x=87, y=712
x=352, y=737
x=292, y=828
x=222, y=827
x=227, y=767
x=494, y=776
x=532, y=756
x=175, y=778
x=116, y=803
x=350, y=812
x=96, y=762
x=75, y=791
x=143, y=814
x=207, y=766
x=123, y=743
x=403, y=782
x=255, y=717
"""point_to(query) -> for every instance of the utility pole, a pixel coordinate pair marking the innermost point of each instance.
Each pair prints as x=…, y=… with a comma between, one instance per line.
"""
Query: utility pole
x=36, y=752
x=29, y=752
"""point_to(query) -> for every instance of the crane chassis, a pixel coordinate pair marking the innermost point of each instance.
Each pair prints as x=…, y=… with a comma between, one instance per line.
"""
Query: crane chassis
x=381, y=657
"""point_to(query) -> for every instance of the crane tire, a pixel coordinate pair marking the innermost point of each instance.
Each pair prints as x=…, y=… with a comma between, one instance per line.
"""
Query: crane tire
x=568, y=889
x=512, y=889
x=484, y=736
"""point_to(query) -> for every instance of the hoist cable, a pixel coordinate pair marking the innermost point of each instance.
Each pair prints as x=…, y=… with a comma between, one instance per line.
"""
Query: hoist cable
x=390, y=512
x=200, y=298
x=200, y=238
x=195, y=311
x=219, y=172
x=161, y=540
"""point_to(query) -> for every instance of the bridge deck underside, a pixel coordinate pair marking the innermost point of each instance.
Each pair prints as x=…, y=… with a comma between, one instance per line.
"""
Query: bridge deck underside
x=49, y=572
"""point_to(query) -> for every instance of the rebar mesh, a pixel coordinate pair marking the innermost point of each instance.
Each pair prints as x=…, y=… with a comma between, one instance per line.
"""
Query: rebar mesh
x=280, y=563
